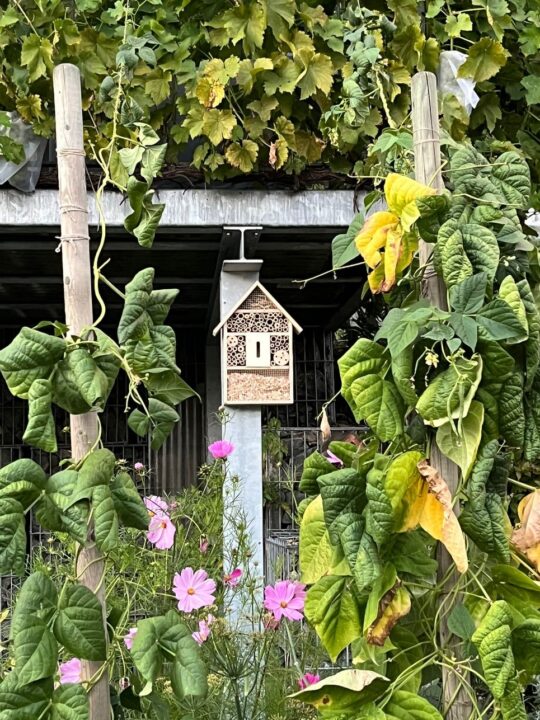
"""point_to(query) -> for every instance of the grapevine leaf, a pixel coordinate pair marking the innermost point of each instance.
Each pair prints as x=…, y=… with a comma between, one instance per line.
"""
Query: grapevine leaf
x=485, y=58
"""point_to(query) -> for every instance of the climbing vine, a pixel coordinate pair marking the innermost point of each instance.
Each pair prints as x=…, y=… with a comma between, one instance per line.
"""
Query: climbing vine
x=258, y=85
x=467, y=379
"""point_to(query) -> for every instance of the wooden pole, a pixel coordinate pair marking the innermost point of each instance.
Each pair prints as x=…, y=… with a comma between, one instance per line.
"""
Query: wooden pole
x=77, y=279
x=427, y=158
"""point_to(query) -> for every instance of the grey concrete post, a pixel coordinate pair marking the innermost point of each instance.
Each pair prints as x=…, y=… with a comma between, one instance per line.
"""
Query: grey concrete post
x=243, y=498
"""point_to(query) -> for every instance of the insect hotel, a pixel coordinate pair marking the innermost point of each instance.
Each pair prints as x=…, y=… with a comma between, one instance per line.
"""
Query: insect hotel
x=257, y=351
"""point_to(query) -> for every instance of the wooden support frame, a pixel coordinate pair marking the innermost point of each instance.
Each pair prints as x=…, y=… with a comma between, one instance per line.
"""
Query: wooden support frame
x=77, y=278
x=427, y=159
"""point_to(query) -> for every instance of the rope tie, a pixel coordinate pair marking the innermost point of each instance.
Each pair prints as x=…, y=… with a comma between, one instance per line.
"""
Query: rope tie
x=70, y=151
x=73, y=208
x=68, y=239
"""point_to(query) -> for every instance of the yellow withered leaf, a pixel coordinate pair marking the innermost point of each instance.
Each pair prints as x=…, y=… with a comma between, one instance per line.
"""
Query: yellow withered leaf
x=526, y=537
x=372, y=237
x=392, y=607
x=401, y=193
x=430, y=506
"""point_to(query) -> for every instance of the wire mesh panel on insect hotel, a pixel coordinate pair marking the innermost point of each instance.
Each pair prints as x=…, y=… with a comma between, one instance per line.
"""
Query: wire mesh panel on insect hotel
x=257, y=351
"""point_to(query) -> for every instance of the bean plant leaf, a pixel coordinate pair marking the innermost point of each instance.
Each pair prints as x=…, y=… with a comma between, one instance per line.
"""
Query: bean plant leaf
x=343, y=245
x=405, y=705
x=37, y=598
x=493, y=640
x=160, y=421
x=40, y=430
x=365, y=357
x=526, y=647
x=462, y=446
x=22, y=480
x=317, y=555
x=332, y=609
x=31, y=356
x=79, y=623
x=315, y=465
x=450, y=393
x=24, y=702
x=134, y=322
x=342, y=493
x=35, y=651
x=12, y=537
x=105, y=519
x=128, y=503
x=96, y=470
x=70, y=702
x=90, y=380
x=379, y=403
x=346, y=691
x=500, y=322
x=463, y=250
x=512, y=177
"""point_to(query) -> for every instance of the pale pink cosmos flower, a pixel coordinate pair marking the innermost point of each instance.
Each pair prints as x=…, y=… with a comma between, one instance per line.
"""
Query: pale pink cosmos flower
x=204, y=630
x=161, y=532
x=70, y=671
x=203, y=545
x=285, y=599
x=130, y=637
x=307, y=680
x=333, y=458
x=193, y=590
x=220, y=449
x=156, y=505
x=232, y=579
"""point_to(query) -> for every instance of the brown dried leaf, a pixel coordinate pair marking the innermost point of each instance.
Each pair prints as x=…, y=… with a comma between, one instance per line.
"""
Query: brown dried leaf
x=326, y=430
x=393, y=606
x=527, y=535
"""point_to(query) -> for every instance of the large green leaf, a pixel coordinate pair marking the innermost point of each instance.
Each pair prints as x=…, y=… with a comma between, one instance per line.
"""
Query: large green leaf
x=450, y=393
x=462, y=447
x=128, y=502
x=155, y=350
x=79, y=623
x=365, y=357
x=483, y=517
x=97, y=469
x=332, y=609
x=12, y=537
x=169, y=387
x=343, y=493
x=346, y=692
x=105, y=519
x=526, y=647
x=367, y=567
x=512, y=177
x=166, y=639
x=40, y=430
x=57, y=511
x=412, y=553
x=70, y=702
x=159, y=423
x=24, y=702
x=343, y=246
x=31, y=356
x=464, y=249
x=493, y=640
x=468, y=296
x=380, y=516
x=500, y=322
x=403, y=372
x=379, y=403
x=531, y=444
x=22, y=480
x=512, y=418
x=405, y=705
x=532, y=347
x=315, y=548
x=35, y=650
x=135, y=321
x=315, y=465
x=91, y=382
x=38, y=598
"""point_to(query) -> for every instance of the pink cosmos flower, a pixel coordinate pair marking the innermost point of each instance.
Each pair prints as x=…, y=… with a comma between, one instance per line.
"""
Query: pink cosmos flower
x=203, y=545
x=161, y=532
x=333, y=458
x=307, y=680
x=232, y=579
x=130, y=637
x=70, y=671
x=156, y=505
x=204, y=630
x=139, y=467
x=193, y=590
x=220, y=449
x=285, y=599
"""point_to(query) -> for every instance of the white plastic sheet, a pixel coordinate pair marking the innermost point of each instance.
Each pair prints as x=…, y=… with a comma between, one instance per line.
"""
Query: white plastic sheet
x=449, y=82
x=23, y=176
